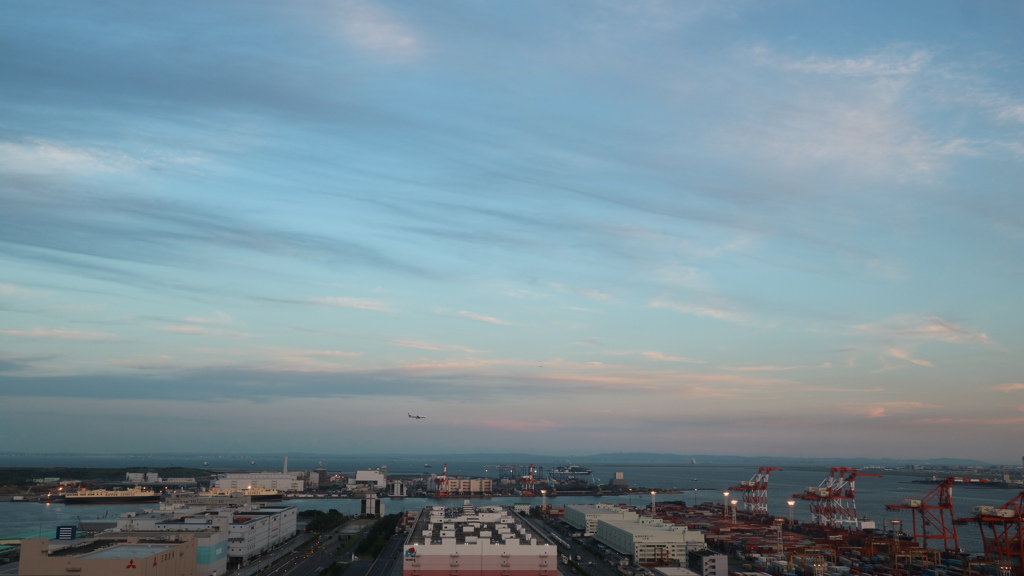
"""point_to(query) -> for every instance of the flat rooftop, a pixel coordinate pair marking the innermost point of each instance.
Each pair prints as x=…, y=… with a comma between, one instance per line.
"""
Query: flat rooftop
x=127, y=551
x=469, y=524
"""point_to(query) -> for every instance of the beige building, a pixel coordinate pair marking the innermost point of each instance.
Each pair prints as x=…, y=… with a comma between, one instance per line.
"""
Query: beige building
x=649, y=541
x=584, y=517
x=280, y=481
x=470, y=486
x=471, y=541
x=171, y=555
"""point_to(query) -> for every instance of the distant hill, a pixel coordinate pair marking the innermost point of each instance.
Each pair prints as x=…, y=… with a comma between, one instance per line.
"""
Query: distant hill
x=724, y=460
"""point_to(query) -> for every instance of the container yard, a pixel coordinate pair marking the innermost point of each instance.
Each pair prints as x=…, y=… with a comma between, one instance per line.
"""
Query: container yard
x=839, y=542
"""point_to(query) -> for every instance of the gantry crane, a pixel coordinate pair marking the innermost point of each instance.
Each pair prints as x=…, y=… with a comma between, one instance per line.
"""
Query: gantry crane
x=754, y=492
x=833, y=502
x=1001, y=532
x=527, y=483
x=933, y=508
x=441, y=483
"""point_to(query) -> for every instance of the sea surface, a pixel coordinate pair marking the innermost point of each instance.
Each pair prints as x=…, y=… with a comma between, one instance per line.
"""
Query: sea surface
x=695, y=483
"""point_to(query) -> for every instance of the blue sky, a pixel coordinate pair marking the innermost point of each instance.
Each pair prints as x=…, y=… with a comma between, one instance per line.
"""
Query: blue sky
x=750, y=228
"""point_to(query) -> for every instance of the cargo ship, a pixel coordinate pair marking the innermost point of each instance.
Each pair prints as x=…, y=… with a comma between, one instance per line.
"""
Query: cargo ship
x=973, y=482
x=132, y=495
x=571, y=474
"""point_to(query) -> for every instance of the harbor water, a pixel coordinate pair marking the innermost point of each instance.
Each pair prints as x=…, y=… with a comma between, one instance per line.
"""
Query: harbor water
x=691, y=484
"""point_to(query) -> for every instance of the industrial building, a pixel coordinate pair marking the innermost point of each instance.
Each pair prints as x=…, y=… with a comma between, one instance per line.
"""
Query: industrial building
x=471, y=541
x=256, y=529
x=228, y=536
x=445, y=486
x=648, y=540
x=707, y=563
x=279, y=481
x=371, y=506
x=222, y=536
x=584, y=517
x=161, y=555
x=375, y=479
x=283, y=481
x=396, y=489
x=459, y=486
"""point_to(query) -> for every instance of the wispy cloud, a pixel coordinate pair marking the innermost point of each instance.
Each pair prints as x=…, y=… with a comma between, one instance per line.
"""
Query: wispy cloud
x=589, y=293
x=850, y=116
x=44, y=157
x=217, y=318
x=348, y=302
x=434, y=347
x=913, y=327
x=703, y=311
x=12, y=290
x=652, y=355
x=662, y=357
x=481, y=318
x=1008, y=387
x=60, y=334
x=378, y=31
x=891, y=63
x=331, y=353
x=904, y=355
x=1013, y=112
x=762, y=368
x=884, y=409
x=212, y=326
x=517, y=425
x=307, y=361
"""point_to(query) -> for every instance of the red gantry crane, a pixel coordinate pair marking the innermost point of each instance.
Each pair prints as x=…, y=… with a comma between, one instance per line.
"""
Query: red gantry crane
x=1001, y=532
x=833, y=502
x=932, y=508
x=754, y=492
x=526, y=487
x=441, y=490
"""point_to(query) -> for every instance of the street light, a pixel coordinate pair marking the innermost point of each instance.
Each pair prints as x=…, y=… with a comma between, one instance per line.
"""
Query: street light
x=543, y=500
x=791, y=504
x=653, y=511
x=734, y=511
x=725, y=504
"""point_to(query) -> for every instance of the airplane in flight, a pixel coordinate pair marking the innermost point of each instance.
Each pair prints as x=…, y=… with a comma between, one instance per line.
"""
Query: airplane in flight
x=416, y=416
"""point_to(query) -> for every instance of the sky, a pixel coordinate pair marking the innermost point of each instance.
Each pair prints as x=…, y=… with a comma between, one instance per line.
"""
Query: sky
x=755, y=228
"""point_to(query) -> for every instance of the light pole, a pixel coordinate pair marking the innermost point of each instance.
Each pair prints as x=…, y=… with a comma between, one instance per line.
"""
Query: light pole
x=543, y=500
x=653, y=511
x=778, y=531
x=725, y=504
x=895, y=533
x=734, y=502
x=791, y=504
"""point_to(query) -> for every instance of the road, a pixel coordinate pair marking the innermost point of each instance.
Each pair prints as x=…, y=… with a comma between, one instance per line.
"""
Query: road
x=590, y=562
x=389, y=562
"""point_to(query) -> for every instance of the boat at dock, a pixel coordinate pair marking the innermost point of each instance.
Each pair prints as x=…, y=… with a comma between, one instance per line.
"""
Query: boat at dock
x=133, y=495
x=571, y=474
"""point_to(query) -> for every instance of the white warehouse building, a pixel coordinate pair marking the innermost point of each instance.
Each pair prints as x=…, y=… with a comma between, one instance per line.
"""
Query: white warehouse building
x=376, y=479
x=280, y=481
x=584, y=517
x=226, y=537
x=650, y=541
